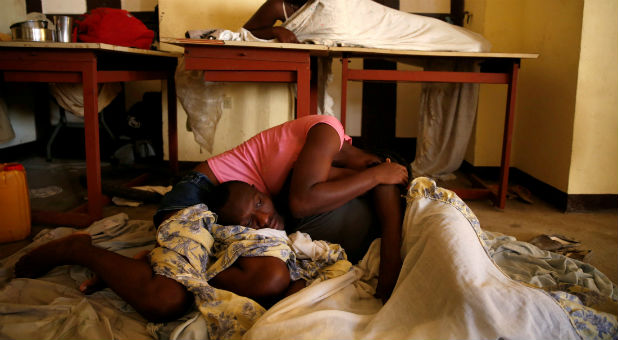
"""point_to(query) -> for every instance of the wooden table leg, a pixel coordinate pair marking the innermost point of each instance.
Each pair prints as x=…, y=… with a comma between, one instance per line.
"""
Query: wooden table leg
x=91, y=132
x=303, y=90
x=313, y=106
x=503, y=185
x=172, y=132
x=344, y=89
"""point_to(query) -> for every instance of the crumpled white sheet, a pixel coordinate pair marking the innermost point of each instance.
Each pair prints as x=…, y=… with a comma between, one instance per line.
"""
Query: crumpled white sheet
x=369, y=24
x=447, y=118
x=222, y=34
x=202, y=101
x=71, y=96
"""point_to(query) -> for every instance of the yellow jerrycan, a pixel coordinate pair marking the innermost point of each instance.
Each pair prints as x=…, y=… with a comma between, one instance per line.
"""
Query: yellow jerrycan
x=14, y=203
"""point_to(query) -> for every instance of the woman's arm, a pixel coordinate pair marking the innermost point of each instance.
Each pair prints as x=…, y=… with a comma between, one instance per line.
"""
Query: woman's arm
x=261, y=23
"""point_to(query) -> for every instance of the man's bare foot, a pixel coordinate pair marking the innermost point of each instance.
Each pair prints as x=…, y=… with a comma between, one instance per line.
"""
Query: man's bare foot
x=66, y=250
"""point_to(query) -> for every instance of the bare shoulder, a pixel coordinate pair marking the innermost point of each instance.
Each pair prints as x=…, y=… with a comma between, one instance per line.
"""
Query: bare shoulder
x=266, y=15
x=274, y=8
x=323, y=135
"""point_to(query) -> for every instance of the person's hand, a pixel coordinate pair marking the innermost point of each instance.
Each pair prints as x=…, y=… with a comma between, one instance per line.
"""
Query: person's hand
x=284, y=35
x=390, y=173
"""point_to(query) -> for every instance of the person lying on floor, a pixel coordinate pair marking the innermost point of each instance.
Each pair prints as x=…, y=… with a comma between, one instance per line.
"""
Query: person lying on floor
x=228, y=262
x=332, y=190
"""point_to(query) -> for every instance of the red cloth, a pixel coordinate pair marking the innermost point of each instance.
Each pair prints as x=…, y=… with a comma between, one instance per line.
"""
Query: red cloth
x=114, y=26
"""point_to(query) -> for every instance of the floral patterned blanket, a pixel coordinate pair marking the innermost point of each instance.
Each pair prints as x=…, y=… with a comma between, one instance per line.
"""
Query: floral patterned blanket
x=193, y=249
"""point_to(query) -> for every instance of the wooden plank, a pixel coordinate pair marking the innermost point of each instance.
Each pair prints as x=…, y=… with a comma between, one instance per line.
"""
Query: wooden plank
x=116, y=76
x=43, y=77
x=253, y=76
x=429, y=76
x=85, y=46
x=247, y=53
x=207, y=64
x=288, y=46
x=356, y=52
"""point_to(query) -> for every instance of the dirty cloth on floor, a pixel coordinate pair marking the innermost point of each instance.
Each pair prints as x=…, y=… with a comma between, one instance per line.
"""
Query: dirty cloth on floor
x=525, y=262
x=449, y=268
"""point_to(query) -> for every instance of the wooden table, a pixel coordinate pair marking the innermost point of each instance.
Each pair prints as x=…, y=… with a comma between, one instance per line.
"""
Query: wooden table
x=89, y=64
x=246, y=61
x=496, y=68
x=278, y=62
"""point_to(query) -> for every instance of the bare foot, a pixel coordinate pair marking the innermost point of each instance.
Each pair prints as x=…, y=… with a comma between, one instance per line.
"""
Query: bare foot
x=52, y=254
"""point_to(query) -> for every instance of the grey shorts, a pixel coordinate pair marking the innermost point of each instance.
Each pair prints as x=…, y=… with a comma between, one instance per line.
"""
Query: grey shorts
x=353, y=226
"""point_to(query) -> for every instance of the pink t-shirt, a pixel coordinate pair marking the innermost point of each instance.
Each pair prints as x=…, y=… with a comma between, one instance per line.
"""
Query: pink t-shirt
x=266, y=159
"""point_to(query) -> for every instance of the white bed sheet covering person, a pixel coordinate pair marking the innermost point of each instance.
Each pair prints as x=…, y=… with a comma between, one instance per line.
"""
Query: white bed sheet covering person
x=449, y=288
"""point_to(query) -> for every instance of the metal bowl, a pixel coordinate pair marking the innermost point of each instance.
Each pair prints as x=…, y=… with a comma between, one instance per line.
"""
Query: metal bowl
x=31, y=24
x=33, y=34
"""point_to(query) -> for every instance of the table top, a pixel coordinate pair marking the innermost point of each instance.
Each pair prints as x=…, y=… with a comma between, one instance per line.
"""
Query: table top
x=355, y=51
x=85, y=46
x=363, y=51
x=210, y=42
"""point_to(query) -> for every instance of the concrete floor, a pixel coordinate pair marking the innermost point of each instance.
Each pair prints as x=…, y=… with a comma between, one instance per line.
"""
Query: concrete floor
x=597, y=231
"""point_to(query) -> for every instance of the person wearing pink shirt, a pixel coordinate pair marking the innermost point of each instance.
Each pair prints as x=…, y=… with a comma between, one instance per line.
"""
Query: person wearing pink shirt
x=320, y=183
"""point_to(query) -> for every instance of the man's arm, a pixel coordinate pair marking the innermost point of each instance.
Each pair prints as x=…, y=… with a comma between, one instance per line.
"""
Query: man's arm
x=311, y=190
x=261, y=23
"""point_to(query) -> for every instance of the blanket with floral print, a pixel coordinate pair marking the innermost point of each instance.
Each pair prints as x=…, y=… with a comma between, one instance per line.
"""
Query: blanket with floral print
x=193, y=249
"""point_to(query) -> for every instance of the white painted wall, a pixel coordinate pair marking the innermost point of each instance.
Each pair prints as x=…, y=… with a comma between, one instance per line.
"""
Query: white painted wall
x=64, y=6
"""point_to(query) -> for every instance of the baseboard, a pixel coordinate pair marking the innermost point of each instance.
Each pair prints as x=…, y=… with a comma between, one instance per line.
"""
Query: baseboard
x=548, y=193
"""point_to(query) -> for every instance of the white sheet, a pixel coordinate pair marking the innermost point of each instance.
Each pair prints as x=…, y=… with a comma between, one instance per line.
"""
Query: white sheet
x=448, y=288
x=369, y=24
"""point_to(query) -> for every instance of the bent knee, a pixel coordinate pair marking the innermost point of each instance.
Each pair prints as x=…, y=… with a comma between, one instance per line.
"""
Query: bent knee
x=168, y=300
x=269, y=275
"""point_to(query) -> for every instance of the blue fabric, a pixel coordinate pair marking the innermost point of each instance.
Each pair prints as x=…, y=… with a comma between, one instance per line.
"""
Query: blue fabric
x=193, y=188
